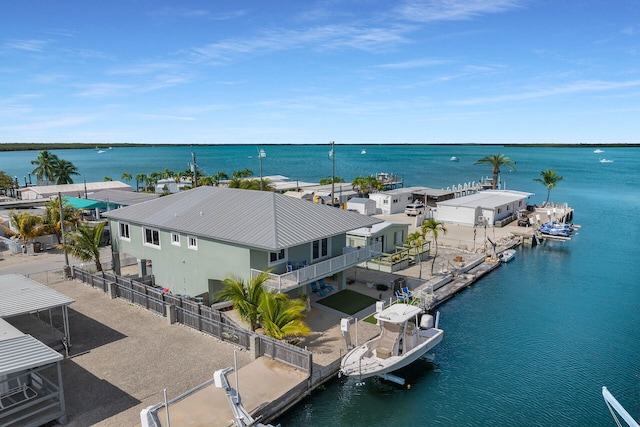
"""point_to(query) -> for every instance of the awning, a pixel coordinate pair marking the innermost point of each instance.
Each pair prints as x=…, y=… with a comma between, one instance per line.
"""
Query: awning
x=78, y=203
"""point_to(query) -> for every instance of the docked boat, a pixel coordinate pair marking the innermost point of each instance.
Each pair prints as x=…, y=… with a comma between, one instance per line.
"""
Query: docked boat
x=606, y=161
x=507, y=255
x=406, y=334
x=552, y=231
x=454, y=159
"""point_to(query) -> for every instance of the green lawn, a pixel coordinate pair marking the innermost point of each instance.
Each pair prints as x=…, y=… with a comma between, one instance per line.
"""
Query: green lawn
x=347, y=301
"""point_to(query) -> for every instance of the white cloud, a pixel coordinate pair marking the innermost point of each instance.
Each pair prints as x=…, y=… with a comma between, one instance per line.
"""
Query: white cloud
x=49, y=124
x=452, y=10
x=577, y=87
x=28, y=45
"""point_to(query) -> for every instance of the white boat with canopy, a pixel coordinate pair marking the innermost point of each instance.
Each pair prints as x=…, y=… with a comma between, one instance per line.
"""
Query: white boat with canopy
x=406, y=334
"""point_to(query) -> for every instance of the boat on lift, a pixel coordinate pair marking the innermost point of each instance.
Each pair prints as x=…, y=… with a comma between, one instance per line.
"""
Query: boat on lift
x=406, y=334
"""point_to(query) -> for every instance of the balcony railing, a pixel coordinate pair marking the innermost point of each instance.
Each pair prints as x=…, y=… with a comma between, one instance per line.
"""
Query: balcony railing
x=293, y=279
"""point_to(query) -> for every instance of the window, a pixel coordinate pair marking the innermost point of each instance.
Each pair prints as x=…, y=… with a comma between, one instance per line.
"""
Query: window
x=319, y=248
x=275, y=257
x=385, y=201
x=175, y=239
x=193, y=243
x=123, y=230
x=151, y=237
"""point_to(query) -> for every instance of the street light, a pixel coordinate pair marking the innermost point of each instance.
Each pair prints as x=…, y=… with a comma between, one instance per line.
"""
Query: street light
x=261, y=155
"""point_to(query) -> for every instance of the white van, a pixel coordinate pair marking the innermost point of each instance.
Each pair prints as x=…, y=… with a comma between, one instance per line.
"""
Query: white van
x=414, y=209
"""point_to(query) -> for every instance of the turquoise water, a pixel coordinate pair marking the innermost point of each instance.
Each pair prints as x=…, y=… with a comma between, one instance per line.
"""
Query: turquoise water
x=531, y=344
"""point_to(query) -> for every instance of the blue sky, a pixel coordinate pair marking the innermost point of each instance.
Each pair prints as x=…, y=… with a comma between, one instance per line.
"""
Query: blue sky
x=357, y=71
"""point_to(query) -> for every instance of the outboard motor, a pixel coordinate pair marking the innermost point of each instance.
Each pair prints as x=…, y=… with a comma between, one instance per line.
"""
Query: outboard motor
x=426, y=321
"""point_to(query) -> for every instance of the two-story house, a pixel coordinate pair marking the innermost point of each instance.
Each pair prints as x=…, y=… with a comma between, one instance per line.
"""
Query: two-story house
x=197, y=238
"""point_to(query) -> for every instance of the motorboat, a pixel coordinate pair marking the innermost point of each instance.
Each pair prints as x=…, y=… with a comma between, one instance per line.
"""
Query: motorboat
x=101, y=151
x=406, y=334
x=554, y=231
x=559, y=226
x=597, y=150
x=454, y=159
x=606, y=161
x=363, y=152
x=507, y=255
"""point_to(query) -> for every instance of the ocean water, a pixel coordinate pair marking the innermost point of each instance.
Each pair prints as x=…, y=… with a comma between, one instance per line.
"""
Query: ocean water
x=531, y=344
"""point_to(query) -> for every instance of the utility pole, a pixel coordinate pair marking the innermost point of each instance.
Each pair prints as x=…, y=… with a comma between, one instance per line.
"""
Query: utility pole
x=67, y=268
x=333, y=170
x=194, y=169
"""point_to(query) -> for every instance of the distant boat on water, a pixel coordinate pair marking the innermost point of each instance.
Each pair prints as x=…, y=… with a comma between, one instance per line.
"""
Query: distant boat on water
x=101, y=151
x=597, y=150
x=363, y=152
x=606, y=161
x=454, y=159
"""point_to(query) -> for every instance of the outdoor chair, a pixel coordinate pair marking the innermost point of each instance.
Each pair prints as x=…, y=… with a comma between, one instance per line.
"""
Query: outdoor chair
x=314, y=289
x=329, y=288
x=407, y=293
x=400, y=296
x=289, y=266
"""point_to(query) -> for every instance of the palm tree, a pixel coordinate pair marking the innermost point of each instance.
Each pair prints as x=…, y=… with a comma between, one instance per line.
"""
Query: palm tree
x=416, y=240
x=140, y=178
x=497, y=160
x=244, y=173
x=51, y=219
x=45, y=166
x=25, y=226
x=549, y=179
x=366, y=185
x=107, y=178
x=205, y=181
x=63, y=169
x=282, y=316
x=6, y=182
x=219, y=176
x=433, y=227
x=326, y=181
x=245, y=297
x=84, y=243
x=167, y=173
x=126, y=176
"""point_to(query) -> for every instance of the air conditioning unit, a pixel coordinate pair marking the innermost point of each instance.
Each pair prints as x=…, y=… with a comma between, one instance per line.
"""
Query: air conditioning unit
x=481, y=219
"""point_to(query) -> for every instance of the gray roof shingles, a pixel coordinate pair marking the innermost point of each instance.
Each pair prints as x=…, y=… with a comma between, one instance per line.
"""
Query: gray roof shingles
x=258, y=219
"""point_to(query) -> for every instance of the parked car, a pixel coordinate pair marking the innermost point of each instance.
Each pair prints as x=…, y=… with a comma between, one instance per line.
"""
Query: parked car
x=414, y=209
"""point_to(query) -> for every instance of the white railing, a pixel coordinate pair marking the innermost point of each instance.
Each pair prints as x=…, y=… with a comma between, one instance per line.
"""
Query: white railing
x=292, y=279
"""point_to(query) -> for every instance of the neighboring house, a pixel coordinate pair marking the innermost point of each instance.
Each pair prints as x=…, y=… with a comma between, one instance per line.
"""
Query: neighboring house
x=395, y=201
x=491, y=206
x=392, y=201
x=74, y=190
x=362, y=206
x=197, y=238
x=388, y=234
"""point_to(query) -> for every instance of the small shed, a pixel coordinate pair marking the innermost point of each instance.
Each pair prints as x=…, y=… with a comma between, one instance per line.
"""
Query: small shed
x=362, y=205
